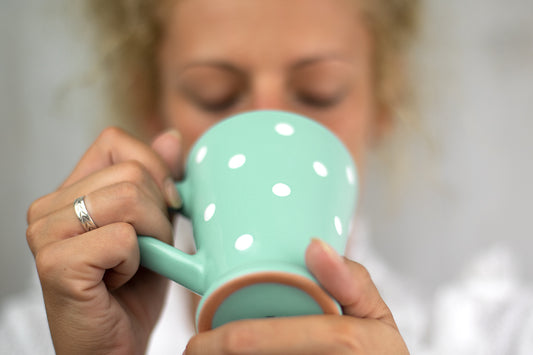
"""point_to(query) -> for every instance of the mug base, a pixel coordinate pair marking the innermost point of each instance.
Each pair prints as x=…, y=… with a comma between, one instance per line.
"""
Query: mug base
x=264, y=294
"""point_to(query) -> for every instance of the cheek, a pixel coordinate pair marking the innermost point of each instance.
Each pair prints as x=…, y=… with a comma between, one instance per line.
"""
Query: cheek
x=354, y=125
x=354, y=138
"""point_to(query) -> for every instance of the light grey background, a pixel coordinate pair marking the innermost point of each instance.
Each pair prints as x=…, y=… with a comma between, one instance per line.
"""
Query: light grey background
x=472, y=190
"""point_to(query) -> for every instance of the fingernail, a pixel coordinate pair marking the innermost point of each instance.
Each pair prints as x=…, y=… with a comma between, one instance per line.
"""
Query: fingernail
x=173, y=197
x=174, y=132
x=328, y=249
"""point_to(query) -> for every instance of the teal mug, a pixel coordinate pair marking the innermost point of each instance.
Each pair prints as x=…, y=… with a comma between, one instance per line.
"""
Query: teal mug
x=258, y=187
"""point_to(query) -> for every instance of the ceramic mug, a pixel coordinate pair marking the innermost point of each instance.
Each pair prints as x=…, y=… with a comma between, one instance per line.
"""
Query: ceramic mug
x=258, y=187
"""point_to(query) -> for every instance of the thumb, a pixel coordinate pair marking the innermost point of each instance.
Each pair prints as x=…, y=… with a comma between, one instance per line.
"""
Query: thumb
x=168, y=145
x=346, y=281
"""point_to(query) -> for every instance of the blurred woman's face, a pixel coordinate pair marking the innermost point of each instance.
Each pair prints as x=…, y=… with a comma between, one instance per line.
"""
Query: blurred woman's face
x=312, y=57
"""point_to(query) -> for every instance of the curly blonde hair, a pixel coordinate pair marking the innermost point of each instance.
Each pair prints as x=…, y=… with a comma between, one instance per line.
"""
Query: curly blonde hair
x=128, y=32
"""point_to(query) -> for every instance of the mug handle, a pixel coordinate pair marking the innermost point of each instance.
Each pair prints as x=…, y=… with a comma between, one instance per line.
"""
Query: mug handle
x=164, y=259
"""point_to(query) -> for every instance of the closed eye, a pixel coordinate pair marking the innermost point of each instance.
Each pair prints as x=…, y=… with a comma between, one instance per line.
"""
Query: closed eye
x=319, y=101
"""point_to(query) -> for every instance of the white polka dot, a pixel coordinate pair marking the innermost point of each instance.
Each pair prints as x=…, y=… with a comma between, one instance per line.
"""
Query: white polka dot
x=237, y=161
x=209, y=212
x=338, y=225
x=350, y=175
x=281, y=190
x=284, y=129
x=244, y=242
x=320, y=169
x=201, y=154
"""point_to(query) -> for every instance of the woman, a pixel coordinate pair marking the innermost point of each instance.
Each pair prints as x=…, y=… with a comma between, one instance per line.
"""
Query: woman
x=193, y=63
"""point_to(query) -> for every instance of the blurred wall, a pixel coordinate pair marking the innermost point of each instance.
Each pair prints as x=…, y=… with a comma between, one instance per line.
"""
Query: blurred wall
x=474, y=69
x=47, y=117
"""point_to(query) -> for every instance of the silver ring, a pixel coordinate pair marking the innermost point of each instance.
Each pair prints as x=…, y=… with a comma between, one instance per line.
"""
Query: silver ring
x=83, y=215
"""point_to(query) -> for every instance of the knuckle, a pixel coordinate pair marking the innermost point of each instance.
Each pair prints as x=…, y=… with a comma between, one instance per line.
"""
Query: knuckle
x=110, y=134
x=347, y=337
x=122, y=230
x=134, y=171
x=363, y=274
x=129, y=193
x=33, y=210
x=129, y=202
x=125, y=236
x=46, y=262
x=30, y=214
x=33, y=232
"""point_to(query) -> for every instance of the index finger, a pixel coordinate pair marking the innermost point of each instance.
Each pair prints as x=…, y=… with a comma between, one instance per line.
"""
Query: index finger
x=294, y=335
x=318, y=334
x=115, y=146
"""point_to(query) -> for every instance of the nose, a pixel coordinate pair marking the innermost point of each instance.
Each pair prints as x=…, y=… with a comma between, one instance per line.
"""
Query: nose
x=269, y=93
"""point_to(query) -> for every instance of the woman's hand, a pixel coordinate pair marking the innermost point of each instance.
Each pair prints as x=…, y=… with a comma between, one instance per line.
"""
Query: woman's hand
x=367, y=326
x=97, y=299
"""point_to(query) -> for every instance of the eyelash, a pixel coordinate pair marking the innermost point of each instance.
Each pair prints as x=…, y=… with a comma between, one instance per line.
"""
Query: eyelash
x=218, y=106
x=321, y=103
x=303, y=99
x=211, y=106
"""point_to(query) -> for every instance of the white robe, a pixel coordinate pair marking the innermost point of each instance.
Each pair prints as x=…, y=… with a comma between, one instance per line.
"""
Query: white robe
x=486, y=311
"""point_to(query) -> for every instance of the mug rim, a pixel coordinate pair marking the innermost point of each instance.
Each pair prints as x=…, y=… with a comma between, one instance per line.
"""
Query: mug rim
x=213, y=301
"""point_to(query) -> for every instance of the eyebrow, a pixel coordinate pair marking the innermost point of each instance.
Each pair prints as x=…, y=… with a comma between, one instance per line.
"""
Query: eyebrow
x=225, y=65
x=319, y=58
x=220, y=64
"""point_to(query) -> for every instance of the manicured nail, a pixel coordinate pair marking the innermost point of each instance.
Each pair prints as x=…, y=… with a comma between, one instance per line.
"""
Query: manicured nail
x=173, y=197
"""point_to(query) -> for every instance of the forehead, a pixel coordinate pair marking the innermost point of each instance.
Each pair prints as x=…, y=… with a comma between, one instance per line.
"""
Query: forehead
x=266, y=29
